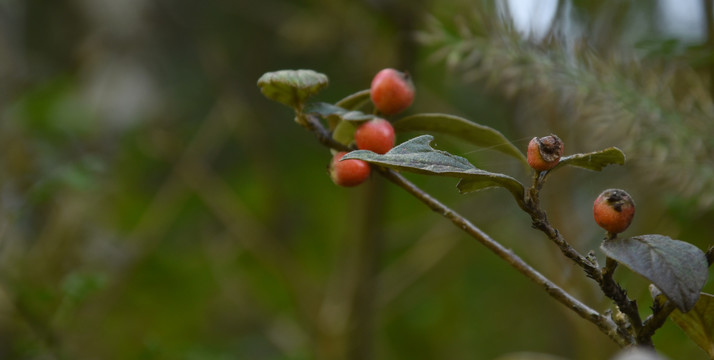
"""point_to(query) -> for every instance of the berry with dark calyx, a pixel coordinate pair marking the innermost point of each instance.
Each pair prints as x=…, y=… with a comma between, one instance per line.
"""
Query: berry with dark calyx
x=392, y=91
x=348, y=173
x=544, y=153
x=375, y=135
x=613, y=210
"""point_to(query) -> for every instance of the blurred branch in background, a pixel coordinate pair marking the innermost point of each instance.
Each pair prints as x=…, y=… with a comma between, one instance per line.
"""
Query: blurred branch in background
x=709, y=18
x=658, y=111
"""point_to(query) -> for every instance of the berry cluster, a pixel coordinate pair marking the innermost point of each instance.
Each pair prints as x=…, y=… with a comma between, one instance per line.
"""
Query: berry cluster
x=391, y=93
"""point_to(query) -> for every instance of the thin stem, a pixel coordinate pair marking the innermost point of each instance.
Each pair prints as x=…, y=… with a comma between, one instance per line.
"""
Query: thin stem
x=609, y=269
x=604, y=323
x=312, y=123
x=603, y=278
x=615, y=292
x=660, y=313
x=540, y=222
x=710, y=255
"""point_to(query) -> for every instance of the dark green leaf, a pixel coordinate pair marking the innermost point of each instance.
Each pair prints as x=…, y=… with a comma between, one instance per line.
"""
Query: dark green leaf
x=698, y=323
x=595, y=160
x=677, y=268
x=326, y=110
x=417, y=156
x=354, y=101
x=291, y=87
x=479, y=135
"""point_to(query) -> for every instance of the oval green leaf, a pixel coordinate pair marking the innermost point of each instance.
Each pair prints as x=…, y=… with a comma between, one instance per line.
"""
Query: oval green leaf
x=354, y=101
x=344, y=132
x=417, y=156
x=678, y=268
x=291, y=87
x=698, y=323
x=595, y=161
x=477, y=134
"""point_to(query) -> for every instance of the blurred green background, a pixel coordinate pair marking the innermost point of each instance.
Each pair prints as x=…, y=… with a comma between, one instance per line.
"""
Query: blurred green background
x=154, y=205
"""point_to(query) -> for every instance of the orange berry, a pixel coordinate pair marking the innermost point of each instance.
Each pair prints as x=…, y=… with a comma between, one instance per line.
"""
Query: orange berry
x=348, y=173
x=375, y=135
x=392, y=91
x=613, y=210
x=544, y=153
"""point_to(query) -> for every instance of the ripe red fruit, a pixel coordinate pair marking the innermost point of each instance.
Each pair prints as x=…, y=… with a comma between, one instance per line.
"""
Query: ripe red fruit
x=544, y=153
x=613, y=210
x=348, y=173
x=392, y=91
x=375, y=135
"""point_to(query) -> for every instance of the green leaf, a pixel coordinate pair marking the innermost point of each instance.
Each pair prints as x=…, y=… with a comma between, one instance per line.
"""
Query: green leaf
x=354, y=101
x=335, y=116
x=344, y=132
x=291, y=87
x=479, y=135
x=678, y=268
x=594, y=160
x=326, y=110
x=417, y=156
x=698, y=323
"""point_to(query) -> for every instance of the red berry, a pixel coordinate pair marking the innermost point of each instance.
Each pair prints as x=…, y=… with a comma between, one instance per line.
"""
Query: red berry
x=350, y=172
x=375, y=135
x=544, y=153
x=392, y=91
x=613, y=210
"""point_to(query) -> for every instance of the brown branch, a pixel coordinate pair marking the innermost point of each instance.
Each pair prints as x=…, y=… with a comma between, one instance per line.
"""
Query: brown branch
x=540, y=222
x=660, y=313
x=312, y=123
x=604, y=323
x=627, y=306
x=603, y=277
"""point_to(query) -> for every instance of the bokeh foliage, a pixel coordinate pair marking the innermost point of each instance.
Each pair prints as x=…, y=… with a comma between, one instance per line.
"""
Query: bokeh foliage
x=154, y=205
